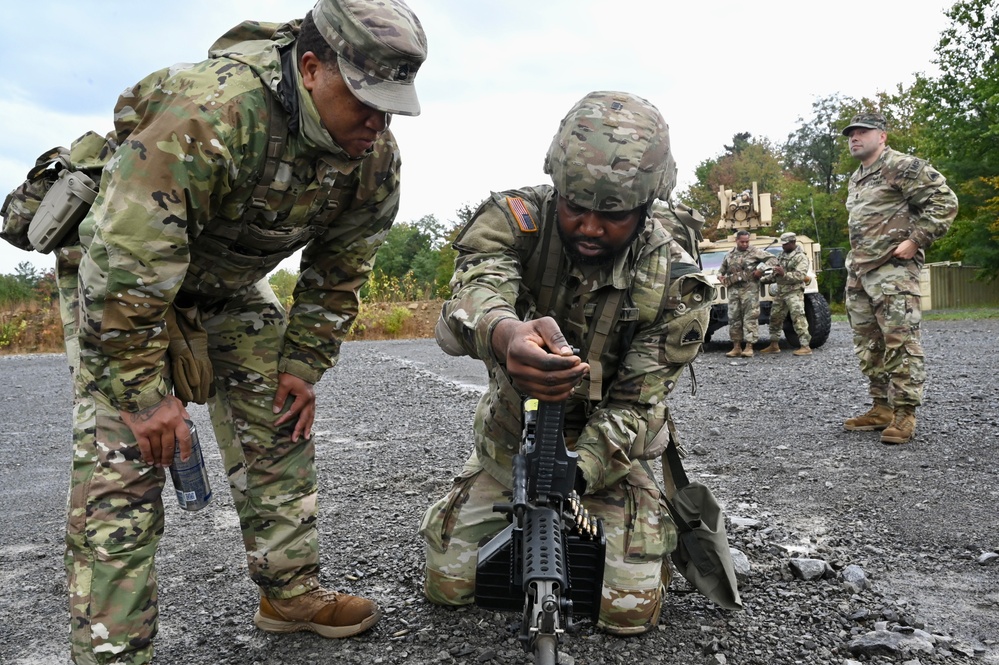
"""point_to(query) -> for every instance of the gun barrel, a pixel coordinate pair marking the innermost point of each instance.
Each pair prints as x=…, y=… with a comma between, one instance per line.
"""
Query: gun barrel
x=549, y=562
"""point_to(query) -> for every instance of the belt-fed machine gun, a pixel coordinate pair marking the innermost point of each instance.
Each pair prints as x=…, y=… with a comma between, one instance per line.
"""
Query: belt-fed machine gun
x=549, y=563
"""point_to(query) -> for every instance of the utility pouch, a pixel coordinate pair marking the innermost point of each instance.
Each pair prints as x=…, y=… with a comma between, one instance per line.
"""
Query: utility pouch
x=61, y=210
x=687, y=312
x=45, y=210
x=21, y=205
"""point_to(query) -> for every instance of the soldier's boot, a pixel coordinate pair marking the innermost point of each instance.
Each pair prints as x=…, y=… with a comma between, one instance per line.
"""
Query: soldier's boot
x=323, y=612
x=802, y=351
x=773, y=348
x=878, y=417
x=747, y=351
x=736, y=349
x=902, y=427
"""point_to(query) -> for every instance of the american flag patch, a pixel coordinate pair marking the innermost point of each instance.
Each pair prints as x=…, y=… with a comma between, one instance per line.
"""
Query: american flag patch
x=521, y=214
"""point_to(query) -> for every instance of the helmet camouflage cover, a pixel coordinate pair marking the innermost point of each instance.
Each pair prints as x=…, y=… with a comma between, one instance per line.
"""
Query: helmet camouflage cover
x=611, y=153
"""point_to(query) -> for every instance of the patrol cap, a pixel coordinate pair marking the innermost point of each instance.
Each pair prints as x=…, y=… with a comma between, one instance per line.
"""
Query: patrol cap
x=867, y=121
x=787, y=237
x=380, y=46
x=612, y=153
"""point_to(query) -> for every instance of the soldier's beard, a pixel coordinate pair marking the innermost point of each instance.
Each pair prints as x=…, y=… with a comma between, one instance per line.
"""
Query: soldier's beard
x=607, y=257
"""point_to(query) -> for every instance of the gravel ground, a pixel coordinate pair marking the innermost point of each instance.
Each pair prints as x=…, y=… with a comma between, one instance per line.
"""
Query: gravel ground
x=903, y=539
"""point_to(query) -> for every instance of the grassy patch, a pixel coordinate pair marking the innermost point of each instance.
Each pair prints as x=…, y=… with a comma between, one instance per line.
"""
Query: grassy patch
x=970, y=314
x=974, y=313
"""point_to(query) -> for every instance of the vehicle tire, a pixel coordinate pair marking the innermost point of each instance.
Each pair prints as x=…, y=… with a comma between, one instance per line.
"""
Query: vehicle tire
x=819, y=321
x=718, y=319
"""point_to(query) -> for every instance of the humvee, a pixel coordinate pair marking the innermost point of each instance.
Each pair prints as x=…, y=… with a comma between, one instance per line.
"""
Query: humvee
x=750, y=210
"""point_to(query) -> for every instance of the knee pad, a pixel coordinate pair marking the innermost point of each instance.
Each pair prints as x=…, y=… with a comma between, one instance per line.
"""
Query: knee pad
x=441, y=589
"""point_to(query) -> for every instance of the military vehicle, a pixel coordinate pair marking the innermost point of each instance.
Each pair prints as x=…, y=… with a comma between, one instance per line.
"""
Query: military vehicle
x=750, y=210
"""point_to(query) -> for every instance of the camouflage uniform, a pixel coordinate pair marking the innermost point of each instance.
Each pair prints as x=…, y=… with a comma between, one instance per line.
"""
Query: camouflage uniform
x=743, y=291
x=177, y=220
x=899, y=197
x=497, y=278
x=790, y=296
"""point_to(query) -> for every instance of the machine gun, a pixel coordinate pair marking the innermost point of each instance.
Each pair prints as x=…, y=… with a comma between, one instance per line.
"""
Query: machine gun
x=549, y=562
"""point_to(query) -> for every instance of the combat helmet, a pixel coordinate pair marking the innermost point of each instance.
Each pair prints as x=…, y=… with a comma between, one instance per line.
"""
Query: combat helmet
x=611, y=153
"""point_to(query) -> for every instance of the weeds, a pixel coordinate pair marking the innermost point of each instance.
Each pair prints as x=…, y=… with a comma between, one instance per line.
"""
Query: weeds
x=30, y=328
x=381, y=321
x=385, y=288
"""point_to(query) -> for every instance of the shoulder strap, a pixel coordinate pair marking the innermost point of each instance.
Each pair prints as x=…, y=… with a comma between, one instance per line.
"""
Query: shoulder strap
x=548, y=265
x=277, y=135
x=604, y=319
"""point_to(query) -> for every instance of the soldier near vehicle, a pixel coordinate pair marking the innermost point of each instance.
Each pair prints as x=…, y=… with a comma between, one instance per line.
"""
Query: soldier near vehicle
x=750, y=211
x=583, y=264
x=788, y=279
x=221, y=169
x=740, y=271
x=898, y=206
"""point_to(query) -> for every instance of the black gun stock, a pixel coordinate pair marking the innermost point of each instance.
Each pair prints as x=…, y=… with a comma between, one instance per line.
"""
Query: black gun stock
x=549, y=563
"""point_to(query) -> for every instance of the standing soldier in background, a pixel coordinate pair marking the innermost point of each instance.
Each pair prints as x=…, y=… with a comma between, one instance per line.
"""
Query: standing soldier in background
x=898, y=205
x=740, y=272
x=277, y=142
x=790, y=275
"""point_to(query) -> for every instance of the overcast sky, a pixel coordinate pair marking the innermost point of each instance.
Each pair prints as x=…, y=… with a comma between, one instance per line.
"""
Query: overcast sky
x=499, y=77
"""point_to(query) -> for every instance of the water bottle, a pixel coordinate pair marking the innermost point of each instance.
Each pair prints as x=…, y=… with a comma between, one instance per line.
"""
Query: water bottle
x=190, y=478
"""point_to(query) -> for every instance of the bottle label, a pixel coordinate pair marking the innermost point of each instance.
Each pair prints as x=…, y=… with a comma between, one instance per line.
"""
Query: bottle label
x=190, y=478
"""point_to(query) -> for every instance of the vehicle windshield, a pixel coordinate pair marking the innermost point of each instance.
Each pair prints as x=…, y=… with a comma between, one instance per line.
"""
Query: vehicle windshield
x=712, y=260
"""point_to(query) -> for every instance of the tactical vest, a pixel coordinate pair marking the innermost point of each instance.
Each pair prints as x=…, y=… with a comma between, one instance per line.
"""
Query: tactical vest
x=251, y=237
x=588, y=320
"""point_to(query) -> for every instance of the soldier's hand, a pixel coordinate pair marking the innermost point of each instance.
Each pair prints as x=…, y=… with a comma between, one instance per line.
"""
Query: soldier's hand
x=906, y=250
x=303, y=408
x=538, y=359
x=158, y=429
x=757, y=273
x=779, y=271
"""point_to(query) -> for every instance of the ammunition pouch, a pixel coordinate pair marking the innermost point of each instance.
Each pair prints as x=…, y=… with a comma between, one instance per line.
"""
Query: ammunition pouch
x=21, y=205
x=61, y=210
x=44, y=212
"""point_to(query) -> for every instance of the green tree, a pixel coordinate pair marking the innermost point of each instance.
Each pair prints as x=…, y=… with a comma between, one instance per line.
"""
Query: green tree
x=27, y=274
x=447, y=253
x=419, y=254
x=740, y=142
x=283, y=282
x=13, y=291
x=407, y=246
x=744, y=162
x=960, y=113
x=814, y=152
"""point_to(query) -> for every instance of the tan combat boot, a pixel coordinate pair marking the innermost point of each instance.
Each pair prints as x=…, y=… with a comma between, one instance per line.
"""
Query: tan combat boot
x=803, y=351
x=325, y=613
x=747, y=351
x=736, y=349
x=902, y=427
x=877, y=418
x=773, y=348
